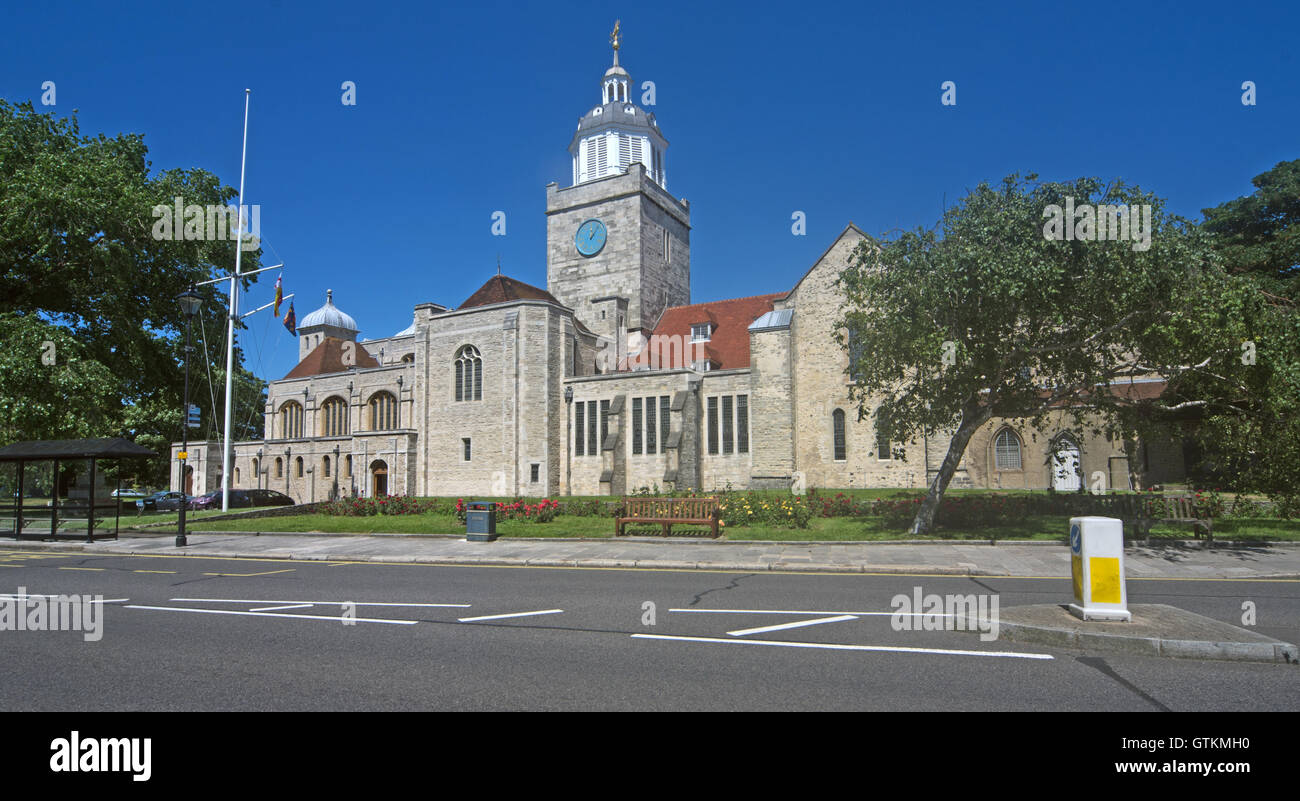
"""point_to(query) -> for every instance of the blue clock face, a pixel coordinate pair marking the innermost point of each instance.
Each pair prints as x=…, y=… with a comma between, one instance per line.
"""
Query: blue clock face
x=590, y=238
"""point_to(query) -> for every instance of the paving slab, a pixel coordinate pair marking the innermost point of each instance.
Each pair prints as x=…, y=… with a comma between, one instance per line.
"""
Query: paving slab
x=1039, y=559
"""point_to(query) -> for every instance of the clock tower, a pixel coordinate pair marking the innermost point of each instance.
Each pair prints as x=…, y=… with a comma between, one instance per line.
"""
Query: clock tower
x=618, y=243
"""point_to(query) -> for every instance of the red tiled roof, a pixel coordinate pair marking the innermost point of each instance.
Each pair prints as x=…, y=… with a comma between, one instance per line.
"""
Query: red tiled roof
x=500, y=288
x=728, y=345
x=327, y=357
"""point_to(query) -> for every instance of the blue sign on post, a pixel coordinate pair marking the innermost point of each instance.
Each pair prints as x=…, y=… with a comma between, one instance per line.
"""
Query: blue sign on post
x=193, y=416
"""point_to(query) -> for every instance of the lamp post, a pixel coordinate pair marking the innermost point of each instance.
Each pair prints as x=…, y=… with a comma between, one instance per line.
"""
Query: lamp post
x=189, y=302
x=568, y=446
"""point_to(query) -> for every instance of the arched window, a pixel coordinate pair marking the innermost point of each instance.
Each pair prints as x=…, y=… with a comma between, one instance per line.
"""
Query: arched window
x=347, y=464
x=325, y=463
x=334, y=418
x=383, y=411
x=408, y=358
x=1006, y=449
x=841, y=441
x=469, y=374
x=279, y=467
x=291, y=420
x=883, y=449
x=299, y=463
x=236, y=475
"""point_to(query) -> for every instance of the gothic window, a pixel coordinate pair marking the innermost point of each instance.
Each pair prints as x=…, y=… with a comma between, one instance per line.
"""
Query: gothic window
x=579, y=430
x=298, y=463
x=334, y=418
x=713, y=425
x=291, y=420
x=651, y=430
x=604, y=421
x=469, y=374
x=663, y=422
x=279, y=467
x=1006, y=450
x=728, y=425
x=325, y=464
x=742, y=424
x=593, y=447
x=347, y=465
x=383, y=411
x=841, y=442
x=636, y=425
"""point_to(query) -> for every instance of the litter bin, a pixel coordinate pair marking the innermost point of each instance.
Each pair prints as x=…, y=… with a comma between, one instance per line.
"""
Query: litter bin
x=480, y=521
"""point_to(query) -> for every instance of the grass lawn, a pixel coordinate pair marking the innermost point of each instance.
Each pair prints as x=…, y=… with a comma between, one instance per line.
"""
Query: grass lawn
x=819, y=529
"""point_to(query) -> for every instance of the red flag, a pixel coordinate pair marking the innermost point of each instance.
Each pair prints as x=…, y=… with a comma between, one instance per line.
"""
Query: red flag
x=290, y=321
x=279, y=296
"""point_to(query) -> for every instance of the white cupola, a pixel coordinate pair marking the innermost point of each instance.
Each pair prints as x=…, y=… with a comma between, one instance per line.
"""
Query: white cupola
x=617, y=133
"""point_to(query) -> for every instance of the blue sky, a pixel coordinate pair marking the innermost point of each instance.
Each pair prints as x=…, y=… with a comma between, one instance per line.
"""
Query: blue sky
x=826, y=108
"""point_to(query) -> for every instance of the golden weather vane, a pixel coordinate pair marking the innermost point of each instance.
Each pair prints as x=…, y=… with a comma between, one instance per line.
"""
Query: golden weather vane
x=615, y=38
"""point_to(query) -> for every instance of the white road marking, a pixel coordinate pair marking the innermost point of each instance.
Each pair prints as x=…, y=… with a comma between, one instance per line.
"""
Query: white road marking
x=838, y=647
x=813, y=612
x=275, y=614
x=795, y=625
x=512, y=614
x=321, y=603
x=276, y=608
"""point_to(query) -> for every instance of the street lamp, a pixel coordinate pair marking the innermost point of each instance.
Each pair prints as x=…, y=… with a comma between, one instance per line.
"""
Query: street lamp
x=568, y=444
x=189, y=302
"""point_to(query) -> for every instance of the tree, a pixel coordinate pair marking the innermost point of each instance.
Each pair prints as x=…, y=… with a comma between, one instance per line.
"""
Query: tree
x=80, y=267
x=1256, y=447
x=988, y=315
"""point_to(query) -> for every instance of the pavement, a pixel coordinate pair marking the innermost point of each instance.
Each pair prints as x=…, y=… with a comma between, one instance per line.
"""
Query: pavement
x=1175, y=560
x=1156, y=630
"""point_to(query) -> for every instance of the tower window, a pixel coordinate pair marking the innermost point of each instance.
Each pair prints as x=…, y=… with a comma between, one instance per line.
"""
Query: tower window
x=840, y=442
x=464, y=443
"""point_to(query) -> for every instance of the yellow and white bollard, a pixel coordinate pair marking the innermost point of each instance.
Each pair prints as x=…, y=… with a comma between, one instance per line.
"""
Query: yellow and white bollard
x=1097, y=566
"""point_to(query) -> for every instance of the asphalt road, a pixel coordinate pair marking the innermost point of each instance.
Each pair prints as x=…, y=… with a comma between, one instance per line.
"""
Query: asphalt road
x=428, y=638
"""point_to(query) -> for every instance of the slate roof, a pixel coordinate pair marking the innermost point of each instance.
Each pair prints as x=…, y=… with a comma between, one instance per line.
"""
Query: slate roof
x=327, y=357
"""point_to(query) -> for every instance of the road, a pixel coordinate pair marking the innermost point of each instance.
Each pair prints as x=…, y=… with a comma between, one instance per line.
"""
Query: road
x=197, y=633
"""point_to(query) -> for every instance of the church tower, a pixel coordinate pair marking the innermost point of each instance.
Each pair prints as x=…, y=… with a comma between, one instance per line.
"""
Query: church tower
x=618, y=243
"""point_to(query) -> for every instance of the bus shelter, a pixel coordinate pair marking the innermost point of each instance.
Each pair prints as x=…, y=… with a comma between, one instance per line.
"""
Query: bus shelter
x=58, y=489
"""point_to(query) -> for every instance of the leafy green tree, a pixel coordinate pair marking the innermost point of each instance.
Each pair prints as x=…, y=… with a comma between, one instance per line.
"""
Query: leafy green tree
x=1255, y=446
x=987, y=316
x=80, y=266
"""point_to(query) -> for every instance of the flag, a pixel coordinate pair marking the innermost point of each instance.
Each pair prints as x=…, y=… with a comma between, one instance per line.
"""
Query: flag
x=290, y=321
x=279, y=296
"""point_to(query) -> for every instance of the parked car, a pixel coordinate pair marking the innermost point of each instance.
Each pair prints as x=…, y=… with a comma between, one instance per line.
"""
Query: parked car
x=242, y=499
x=162, y=501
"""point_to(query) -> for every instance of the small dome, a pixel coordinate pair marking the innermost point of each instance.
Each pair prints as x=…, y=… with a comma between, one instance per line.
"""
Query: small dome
x=330, y=315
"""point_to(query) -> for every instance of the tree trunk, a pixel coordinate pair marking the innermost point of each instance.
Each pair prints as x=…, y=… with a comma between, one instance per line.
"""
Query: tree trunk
x=973, y=416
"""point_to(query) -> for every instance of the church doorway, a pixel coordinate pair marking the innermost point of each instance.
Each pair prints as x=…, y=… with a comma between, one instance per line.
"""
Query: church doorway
x=189, y=480
x=1065, y=465
x=378, y=479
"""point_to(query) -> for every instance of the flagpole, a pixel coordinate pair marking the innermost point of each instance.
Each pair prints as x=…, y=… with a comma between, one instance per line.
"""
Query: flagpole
x=227, y=446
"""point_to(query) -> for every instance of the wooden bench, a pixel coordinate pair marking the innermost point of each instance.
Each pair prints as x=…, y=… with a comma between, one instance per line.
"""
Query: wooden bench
x=668, y=512
x=1171, y=509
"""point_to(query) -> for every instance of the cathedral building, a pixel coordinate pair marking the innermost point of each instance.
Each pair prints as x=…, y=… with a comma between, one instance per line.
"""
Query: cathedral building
x=610, y=379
